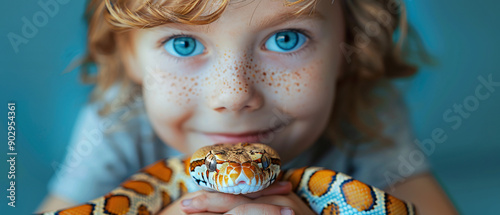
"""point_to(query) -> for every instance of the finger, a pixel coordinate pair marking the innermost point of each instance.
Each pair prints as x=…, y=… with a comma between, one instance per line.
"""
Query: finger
x=261, y=209
x=212, y=202
x=279, y=188
x=289, y=200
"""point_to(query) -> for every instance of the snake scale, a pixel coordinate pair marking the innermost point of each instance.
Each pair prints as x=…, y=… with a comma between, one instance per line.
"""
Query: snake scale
x=239, y=168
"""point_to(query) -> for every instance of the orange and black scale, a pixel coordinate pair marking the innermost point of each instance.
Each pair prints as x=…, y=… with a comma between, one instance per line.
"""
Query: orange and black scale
x=394, y=206
x=81, y=209
x=331, y=209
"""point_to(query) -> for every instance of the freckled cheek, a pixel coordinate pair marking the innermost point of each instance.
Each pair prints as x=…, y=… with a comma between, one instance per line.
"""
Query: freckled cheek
x=172, y=88
x=170, y=100
x=305, y=90
x=316, y=97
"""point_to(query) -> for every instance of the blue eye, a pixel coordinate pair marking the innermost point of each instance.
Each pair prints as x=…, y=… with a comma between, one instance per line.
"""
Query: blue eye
x=285, y=41
x=184, y=47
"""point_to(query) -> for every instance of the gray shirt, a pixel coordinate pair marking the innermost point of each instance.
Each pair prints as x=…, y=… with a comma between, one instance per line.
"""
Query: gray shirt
x=100, y=157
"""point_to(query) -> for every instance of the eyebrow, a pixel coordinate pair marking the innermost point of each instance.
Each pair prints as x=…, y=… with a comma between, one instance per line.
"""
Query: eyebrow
x=287, y=17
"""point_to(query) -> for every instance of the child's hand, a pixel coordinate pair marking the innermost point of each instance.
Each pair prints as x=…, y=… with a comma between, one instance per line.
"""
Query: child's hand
x=276, y=199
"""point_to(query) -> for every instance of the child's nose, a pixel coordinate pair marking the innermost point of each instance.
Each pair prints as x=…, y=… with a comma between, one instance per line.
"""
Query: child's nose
x=234, y=90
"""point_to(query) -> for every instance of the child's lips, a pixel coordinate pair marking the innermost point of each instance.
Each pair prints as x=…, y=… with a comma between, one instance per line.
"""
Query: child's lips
x=250, y=137
x=220, y=138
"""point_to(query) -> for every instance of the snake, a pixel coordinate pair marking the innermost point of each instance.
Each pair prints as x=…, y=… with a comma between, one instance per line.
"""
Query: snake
x=239, y=169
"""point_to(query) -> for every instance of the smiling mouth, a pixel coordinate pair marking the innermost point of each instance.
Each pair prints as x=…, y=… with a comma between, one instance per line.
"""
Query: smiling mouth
x=250, y=137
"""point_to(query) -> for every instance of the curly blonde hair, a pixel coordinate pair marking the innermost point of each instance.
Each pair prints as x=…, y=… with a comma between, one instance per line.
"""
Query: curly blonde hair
x=371, y=55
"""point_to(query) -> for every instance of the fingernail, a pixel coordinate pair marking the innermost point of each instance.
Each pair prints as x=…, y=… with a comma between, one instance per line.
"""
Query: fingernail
x=186, y=202
x=286, y=211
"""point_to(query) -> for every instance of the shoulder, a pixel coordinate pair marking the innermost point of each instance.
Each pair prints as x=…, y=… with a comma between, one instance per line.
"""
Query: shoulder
x=105, y=150
x=384, y=165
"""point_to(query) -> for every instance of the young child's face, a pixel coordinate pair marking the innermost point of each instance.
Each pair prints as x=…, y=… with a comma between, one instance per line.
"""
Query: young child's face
x=254, y=75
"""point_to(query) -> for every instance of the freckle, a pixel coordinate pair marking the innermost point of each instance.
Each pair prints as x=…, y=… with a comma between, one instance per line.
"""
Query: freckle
x=245, y=91
x=264, y=73
x=279, y=84
x=253, y=75
x=180, y=94
x=250, y=67
x=276, y=91
x=190, y=89
x=206, y=78
x=297, y=84
x=272, y=78
x=272, y=73
x=192, y=79
x=262, y=80
x=239, y=82
x=234, y=79
x=238, y=76
x=235, y=68
x=175, y=77
x=270, y=84
x=248, y=78
x=244, y=73
x=298, y=90
x=196, y=84
x=185, y=78
x=287, y=89
x=240, y=88
x=183, y=88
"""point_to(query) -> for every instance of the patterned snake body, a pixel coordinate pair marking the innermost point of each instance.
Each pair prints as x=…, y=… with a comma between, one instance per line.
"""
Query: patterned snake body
x=239, y=169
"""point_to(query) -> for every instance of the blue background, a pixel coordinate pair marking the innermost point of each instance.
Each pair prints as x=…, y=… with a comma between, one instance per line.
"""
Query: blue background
x=461, y=34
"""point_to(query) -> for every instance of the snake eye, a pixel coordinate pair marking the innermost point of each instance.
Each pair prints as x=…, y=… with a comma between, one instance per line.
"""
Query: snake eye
x=211, y=162
x=265, y=161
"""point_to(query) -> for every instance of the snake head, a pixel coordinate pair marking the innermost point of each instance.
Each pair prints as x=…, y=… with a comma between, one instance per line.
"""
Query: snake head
x=235, y=168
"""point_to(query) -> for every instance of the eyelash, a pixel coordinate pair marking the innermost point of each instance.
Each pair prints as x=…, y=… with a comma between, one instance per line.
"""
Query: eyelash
x=289, y=54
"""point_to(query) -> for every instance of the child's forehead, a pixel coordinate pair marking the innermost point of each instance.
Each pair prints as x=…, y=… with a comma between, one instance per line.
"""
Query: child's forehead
x=256, y=15
x=269, y=10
